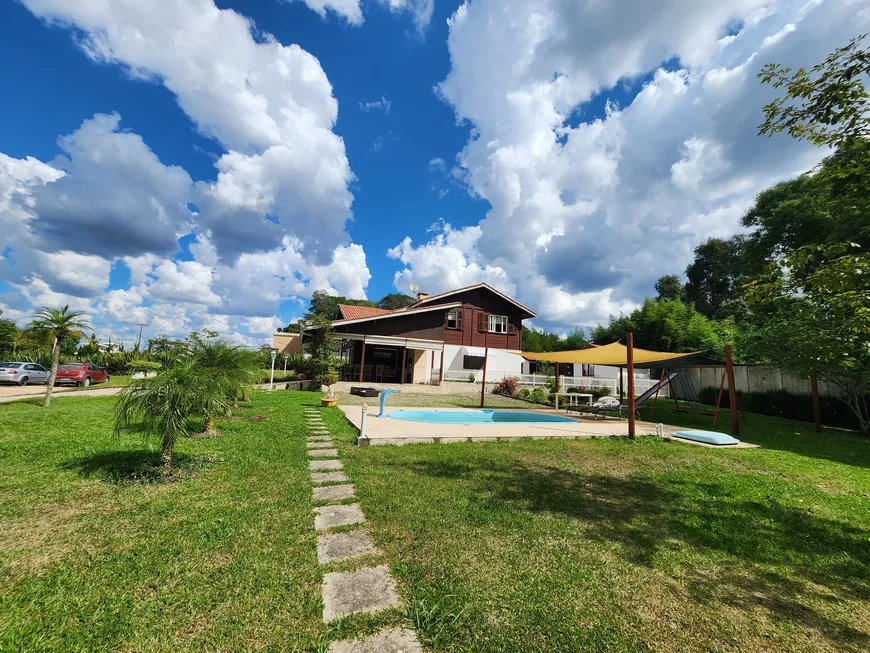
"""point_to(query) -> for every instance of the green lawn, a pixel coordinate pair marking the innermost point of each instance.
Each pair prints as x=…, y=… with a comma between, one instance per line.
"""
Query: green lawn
x=225, y=560
x=509, y=546
x=629, y=546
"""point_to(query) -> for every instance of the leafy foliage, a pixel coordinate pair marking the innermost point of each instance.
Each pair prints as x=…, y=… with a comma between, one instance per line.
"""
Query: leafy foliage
x=508, y=387
x=821, y=297
x=164, y=405
x=325, y=306
x=322, y=363
x=534, y=340
x=713, y=278
x=668, y=325
x=8, y=333
x=827, y=105
x=395, y=300
x=669, y=287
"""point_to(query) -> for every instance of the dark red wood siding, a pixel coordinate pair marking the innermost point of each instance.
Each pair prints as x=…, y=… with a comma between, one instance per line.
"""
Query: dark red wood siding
x=482, y=301
x=428, y=326
x=432, y=325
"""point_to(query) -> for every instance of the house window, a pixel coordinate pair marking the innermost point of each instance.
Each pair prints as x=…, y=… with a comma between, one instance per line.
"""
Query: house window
x=587, y=370
x=498, y=324
x=454, y=319
x=472, y=362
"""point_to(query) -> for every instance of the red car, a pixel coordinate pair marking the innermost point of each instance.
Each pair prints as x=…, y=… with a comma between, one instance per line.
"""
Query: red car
x=81, y=374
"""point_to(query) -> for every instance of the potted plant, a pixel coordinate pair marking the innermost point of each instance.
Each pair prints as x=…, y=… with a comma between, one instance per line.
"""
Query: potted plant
x=328, y=400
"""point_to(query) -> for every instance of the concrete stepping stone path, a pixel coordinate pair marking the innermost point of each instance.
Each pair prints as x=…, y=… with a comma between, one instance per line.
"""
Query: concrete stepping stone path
x=325, y=464
x=366, y=590
x=333, y=492
x=332, y=516
x=392, y=640
x=323, y=453
x=329, y=477
x=351, y=592
x=333, y=547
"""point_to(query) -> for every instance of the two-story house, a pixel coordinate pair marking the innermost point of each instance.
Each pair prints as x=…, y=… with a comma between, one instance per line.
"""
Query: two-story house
x=439, y=334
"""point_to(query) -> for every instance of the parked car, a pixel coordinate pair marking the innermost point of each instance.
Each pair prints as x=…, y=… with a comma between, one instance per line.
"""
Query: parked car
x=82, y=374
x=22, y=373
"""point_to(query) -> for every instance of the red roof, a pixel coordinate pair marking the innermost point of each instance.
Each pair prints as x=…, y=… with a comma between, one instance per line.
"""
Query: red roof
x=356, y=312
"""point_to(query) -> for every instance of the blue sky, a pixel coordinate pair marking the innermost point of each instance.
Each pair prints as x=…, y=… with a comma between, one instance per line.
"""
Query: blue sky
x=568, y=153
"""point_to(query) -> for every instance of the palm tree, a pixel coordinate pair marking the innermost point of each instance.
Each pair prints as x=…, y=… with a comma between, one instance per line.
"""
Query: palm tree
x=164, y=404
x=232, y=365
x=62, y=325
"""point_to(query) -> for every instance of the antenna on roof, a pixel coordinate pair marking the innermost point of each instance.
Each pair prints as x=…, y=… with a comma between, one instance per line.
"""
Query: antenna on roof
x=414, y=287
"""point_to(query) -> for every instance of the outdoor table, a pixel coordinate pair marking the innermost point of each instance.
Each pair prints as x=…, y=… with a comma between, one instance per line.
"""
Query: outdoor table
x=573, y=398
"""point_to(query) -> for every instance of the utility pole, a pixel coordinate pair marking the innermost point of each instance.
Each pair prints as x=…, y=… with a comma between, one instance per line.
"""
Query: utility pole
x=139, y=340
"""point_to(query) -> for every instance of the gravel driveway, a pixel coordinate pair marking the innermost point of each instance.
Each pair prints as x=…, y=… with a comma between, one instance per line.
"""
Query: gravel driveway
x=12, y=393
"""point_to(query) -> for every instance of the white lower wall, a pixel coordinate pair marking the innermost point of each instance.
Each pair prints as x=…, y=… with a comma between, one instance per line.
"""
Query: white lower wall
x=501, y=362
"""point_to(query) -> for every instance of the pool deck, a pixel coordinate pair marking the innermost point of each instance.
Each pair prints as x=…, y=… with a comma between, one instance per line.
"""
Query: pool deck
x=380, y=431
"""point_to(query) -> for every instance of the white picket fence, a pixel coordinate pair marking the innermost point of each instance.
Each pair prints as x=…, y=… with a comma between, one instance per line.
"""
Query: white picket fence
x=540, y=381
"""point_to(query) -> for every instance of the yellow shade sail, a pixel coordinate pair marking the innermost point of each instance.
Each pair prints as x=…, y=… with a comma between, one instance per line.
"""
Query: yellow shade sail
x=612, y=354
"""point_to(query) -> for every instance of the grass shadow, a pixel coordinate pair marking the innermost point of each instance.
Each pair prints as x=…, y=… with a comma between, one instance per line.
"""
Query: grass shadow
x=762, y=552
x=836, y=445
x=139, y=467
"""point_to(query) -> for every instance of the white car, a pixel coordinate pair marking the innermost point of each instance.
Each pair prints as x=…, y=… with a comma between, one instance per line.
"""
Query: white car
x=23, y=373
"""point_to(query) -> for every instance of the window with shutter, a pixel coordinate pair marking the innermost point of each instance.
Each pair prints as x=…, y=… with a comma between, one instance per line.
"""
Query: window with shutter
x=498, y=324
x=482, y=322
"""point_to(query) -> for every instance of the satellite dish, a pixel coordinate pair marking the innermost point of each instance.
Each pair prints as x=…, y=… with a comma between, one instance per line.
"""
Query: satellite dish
x=414, y=287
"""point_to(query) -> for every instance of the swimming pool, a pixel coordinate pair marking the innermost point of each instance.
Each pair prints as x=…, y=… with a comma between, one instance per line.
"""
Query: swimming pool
x=478, y=417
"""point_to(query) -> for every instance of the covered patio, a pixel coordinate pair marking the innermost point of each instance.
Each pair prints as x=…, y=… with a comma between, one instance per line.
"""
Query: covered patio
x=388, y=359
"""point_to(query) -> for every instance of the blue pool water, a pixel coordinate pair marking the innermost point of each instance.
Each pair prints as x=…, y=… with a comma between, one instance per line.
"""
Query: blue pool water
x=477, y=417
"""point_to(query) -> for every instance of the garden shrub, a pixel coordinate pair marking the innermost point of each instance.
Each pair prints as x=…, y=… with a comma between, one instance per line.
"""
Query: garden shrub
x=539, y=396
x=508, y=387
x=524, y=393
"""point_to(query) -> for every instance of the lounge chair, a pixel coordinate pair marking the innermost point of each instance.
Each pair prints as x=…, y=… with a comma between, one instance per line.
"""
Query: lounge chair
x=601, y=407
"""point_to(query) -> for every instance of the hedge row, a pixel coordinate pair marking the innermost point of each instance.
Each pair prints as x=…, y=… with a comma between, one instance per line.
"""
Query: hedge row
x=780, y=403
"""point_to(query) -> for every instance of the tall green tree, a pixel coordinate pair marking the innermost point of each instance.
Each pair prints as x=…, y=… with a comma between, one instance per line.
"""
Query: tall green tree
x=827, y=105
x=395, y=300
x=669, y=287
x=534, y=340
x=668, y=325
x=61, y=325
x=713, y=278
x=321, y=346
x=821, y=319
x=325, y=306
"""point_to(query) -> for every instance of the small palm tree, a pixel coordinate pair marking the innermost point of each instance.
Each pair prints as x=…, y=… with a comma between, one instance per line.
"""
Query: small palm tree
x=230, y=364
x=61, y=325
x=165, y=404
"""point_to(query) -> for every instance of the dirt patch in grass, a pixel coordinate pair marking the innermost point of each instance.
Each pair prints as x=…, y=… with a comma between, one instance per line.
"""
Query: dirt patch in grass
x=258, y=418
x=205, y=434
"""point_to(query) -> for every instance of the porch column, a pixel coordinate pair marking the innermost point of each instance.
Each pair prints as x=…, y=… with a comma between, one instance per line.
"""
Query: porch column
x=404, y=360
x=441, y=369
x=362, y=361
